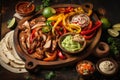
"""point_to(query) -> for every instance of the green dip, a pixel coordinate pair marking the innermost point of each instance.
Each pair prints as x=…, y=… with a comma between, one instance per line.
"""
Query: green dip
x=70, y=45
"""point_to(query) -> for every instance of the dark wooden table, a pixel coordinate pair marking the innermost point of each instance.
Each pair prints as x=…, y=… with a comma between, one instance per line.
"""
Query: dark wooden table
x=7, y=7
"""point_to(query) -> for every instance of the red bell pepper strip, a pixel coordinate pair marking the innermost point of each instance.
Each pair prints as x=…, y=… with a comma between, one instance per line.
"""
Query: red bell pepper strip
x=60, y=30
x=88, y=37
x=88, y=27
x=32, y=35
x=64, y=10
x=29, y=51
x=61, y=55
x=97, y=25
x=69, y=9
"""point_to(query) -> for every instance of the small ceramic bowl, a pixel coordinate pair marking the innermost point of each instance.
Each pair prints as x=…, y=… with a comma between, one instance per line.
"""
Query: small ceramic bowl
x=107, y=66
x=85, y=68
x=74, y=35
x=23, y=9
x=101, y=50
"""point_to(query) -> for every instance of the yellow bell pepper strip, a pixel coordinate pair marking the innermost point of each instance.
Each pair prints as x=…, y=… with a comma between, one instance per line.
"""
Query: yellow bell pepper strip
x=89, y=12
x=60, y=17
x=71, y=27
x=53, y=18
x=65, y=24
x=75, y=28
x=79, y=9
x=51, y=57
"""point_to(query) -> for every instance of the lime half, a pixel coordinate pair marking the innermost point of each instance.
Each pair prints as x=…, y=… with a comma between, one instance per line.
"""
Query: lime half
x=105, y=23
x=48, y=12
x=113, y=32
x=11, y=23
x=116, y=27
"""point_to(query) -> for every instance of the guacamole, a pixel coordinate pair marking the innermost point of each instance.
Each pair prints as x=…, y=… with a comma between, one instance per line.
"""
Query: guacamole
x=69, y=44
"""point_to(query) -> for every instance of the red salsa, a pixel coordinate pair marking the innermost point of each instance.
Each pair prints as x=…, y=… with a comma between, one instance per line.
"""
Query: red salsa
x=22, y=7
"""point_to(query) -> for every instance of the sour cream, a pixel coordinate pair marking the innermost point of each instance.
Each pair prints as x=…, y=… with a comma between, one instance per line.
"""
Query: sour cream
x=107, y=67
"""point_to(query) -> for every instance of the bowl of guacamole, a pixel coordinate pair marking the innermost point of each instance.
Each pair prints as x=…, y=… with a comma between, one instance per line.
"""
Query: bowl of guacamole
x=72, y=43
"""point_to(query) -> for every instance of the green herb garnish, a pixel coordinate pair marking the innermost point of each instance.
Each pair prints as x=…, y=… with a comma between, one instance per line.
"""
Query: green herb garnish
x=49, y=75
x=114, y=45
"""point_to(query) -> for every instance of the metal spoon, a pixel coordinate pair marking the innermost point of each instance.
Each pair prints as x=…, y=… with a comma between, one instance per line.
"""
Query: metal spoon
x=30, y=3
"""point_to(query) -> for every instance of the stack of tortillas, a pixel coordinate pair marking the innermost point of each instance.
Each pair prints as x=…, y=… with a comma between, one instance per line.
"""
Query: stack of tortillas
x=9, y=58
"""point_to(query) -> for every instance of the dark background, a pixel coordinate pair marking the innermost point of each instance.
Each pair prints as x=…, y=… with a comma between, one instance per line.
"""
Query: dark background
x=7, y=10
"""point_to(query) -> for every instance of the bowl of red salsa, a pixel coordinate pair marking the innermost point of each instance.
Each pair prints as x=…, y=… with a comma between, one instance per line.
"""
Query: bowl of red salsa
x=85, y=68
x=23, y=9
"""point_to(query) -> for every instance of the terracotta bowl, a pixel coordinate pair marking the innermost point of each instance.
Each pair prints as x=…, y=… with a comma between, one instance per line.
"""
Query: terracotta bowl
x=101, y=50
x=107, y=66
x=83, y=44
x=22, y=9
x=85, y=68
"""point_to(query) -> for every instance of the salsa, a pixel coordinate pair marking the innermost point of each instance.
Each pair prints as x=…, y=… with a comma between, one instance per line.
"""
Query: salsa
x=22, y=7
x=85, y=67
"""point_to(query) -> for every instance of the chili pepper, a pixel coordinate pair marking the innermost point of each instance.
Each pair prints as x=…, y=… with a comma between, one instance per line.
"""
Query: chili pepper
x=51, y=57
x=61, y=55
x=87, y=37
x=32, y=35
x=97, y=25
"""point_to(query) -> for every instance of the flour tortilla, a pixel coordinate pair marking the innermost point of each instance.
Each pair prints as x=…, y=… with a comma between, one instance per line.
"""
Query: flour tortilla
x=8, y=56
x=8, y=48
x=2, y=55
x=12, y=69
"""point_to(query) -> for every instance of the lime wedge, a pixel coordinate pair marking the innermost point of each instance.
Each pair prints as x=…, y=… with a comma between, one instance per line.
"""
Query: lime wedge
x=11, y=23
x=113, y=32
x=116, y=27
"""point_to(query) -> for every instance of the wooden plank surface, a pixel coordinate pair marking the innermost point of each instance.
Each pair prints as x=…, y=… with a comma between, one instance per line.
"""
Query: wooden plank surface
x=67, y=73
